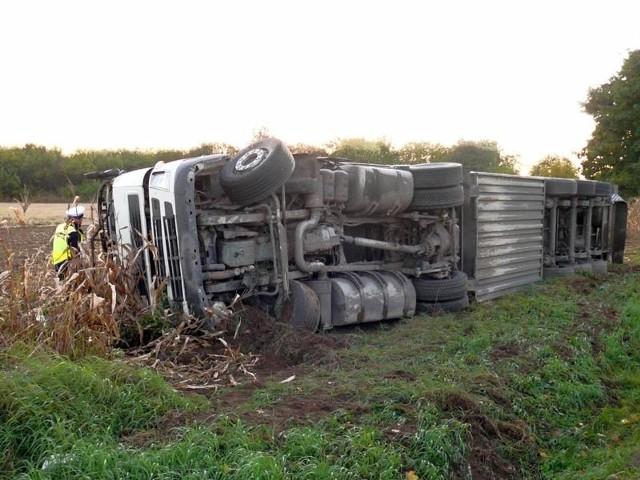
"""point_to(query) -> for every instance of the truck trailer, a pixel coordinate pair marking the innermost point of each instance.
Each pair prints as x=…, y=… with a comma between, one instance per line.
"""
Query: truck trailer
x=324, y=242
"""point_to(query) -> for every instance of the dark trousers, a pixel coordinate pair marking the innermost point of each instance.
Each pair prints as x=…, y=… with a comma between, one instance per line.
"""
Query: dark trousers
x=61, y=269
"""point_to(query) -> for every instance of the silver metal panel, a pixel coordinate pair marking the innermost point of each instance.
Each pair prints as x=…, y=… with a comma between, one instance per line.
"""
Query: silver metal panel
x=503, y=251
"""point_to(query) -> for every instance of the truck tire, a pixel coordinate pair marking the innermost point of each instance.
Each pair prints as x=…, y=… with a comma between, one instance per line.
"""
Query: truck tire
x=301, y=309
x=450, y=306
x=257, y=171
x=439, y=290
x=548, y=272
x=603, y=189
x=436, y=175
x=560, y=187
x=583, y=267
x=586, y=188
x=437, y=198
x=600, y=267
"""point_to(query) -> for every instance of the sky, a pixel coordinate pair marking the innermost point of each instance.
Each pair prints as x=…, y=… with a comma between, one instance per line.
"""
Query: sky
x=155, y=74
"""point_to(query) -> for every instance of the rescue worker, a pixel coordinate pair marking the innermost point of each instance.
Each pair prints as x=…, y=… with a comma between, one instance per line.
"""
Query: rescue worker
x=66, y=240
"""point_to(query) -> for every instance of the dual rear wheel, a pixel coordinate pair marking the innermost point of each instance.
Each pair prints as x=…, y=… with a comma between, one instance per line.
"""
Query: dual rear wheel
x=436, y=185
x=447, y=294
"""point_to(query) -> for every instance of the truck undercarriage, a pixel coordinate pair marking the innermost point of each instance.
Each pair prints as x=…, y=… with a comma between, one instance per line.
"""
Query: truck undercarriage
x=322, y=241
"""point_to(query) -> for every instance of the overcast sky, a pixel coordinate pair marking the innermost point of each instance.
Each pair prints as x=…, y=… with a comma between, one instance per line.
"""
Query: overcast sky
x=174, y=74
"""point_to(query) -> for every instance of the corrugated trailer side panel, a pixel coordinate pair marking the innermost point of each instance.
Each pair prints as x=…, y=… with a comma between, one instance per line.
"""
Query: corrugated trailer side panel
x=502, y=232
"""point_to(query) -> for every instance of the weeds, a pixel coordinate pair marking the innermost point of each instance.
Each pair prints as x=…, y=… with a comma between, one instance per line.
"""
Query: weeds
x=541, y=384
x=81, y=315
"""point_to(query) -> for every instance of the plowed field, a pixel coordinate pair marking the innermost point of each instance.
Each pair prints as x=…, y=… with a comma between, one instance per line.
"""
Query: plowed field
x=32, y=241
x=22, y=243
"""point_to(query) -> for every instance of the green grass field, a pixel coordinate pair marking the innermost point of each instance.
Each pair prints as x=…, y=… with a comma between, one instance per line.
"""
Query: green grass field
x=540, y=384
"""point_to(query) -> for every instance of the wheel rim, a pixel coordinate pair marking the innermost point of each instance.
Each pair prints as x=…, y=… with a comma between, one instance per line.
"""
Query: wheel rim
x=251, y=159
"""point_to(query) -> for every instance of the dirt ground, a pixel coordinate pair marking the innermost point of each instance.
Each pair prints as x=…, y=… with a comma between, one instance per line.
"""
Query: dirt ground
x=256, y=350
x=21, y=243
x=31, y=240
x=37, y=213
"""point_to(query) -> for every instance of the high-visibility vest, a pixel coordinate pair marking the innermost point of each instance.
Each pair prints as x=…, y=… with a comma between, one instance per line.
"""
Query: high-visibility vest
x=61, y=249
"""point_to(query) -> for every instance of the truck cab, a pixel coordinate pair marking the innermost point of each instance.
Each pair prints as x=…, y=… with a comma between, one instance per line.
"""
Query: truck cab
x=320, y=241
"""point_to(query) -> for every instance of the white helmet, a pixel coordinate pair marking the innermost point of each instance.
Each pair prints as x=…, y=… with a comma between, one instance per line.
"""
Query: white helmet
x=75, y=212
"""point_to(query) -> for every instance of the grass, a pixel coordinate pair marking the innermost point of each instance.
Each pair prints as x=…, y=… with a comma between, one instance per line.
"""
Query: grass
x=50, y=407
x=632, y=250
x=541, y=384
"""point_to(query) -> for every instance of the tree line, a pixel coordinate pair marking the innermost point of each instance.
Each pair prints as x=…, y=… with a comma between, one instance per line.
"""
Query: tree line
x=47, y=175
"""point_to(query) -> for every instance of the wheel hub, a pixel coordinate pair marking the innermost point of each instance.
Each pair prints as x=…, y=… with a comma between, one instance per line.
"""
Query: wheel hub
x=251, y=159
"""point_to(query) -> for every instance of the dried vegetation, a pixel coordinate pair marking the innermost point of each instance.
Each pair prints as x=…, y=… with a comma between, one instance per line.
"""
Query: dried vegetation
x=633, y=223
x=98, y=310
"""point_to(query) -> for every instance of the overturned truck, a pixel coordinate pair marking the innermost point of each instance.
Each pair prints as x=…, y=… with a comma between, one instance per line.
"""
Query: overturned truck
x=325, y=242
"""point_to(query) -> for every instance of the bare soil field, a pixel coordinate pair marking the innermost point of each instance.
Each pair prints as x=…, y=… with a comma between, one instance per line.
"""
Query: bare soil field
x=31, y=237
x=30, y=241
x=21, y=243
x=37, y=213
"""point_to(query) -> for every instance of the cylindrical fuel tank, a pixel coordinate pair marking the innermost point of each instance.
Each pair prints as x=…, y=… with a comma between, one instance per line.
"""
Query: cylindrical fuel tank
x=377, y=190
x=370, y=297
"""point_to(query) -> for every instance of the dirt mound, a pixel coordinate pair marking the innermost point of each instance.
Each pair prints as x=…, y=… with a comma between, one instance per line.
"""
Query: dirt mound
x=251, y=348
x=258, y=332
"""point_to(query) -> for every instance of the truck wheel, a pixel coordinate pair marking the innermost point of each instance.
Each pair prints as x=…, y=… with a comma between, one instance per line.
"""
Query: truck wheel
x=560, y=187
x=548, y=272
x=600, y=267
x=436, y=175
x=586, y=188
x=583, y=267
x=603, y=189
x=439, y=290
x=450, y=306
x=437, y=198
x=301, y=309
x=257, y=171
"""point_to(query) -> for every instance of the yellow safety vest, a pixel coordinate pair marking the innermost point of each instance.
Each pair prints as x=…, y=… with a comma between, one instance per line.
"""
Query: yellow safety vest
x=61, y=249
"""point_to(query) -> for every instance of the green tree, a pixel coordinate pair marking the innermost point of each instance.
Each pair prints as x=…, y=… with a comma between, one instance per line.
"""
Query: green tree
x=613, y=151
x=484, y=156
x=76, y=165
x=32, y=167
x=9, y=180
x=39, y=167
x=211, y=148
x=307, y=148
x=555, y=166
x=362, y=150
x=169, y=155
x=422, y=152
